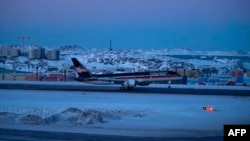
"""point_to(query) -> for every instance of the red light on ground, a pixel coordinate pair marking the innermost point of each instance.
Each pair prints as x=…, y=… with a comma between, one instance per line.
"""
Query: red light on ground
x=208, y=108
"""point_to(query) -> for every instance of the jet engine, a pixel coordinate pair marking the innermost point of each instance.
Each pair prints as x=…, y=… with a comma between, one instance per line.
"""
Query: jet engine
x=130, y=83
x=143, y=83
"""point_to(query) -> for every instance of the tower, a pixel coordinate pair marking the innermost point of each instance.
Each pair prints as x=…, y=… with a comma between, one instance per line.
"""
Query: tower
x=110, y=45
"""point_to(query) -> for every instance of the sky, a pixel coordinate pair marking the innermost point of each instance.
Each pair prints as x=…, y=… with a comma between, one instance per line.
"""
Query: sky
x=146, y=24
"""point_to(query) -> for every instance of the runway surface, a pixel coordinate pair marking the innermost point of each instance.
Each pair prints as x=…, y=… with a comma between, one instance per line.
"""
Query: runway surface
x=153, y=88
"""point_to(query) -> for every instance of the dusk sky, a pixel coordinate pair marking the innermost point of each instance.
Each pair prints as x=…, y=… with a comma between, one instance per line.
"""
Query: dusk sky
x=146, y=24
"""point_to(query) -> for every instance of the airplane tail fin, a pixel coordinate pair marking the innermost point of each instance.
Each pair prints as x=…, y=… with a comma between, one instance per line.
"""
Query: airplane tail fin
x=81, y=70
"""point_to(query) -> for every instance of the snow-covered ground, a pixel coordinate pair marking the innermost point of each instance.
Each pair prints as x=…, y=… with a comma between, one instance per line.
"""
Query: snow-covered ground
x=135, y=59
x=120, y=113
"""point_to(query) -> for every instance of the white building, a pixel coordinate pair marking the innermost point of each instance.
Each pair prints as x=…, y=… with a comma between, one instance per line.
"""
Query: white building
x=36, y=53
x=9, y=51
x=53, y=54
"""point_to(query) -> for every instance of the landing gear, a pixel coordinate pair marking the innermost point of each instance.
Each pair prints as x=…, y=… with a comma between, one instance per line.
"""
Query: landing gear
x=123, y=88
x=130, y=88
x=169, y=84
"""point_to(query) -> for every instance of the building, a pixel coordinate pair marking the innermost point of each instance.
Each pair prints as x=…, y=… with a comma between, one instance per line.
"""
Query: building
x=53, y=54
x=4, y=51
x=9, y=51
x=36, y=53
x=42, y=52
x=32, y=53
x=15, y=52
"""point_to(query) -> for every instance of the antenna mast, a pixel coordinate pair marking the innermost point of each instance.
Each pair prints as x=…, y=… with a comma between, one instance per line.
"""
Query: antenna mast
x=110, y=45
x=23, y=38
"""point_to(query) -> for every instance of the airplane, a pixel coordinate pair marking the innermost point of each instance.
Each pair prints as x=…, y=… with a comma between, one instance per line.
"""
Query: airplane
x=127, y=80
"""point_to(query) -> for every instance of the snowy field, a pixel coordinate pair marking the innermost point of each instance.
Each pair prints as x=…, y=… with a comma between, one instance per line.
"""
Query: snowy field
x=152, y=115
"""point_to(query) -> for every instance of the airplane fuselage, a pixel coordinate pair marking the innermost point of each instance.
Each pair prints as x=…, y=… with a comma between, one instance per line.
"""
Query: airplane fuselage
x=127, y=80
x=139, y=77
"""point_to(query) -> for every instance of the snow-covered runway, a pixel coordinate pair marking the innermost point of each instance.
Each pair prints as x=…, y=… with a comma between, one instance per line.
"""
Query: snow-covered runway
x=121, y=113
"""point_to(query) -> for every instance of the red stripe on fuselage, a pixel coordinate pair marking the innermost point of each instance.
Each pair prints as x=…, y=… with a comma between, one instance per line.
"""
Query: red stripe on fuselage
x=131, y=77
x=147, y=77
